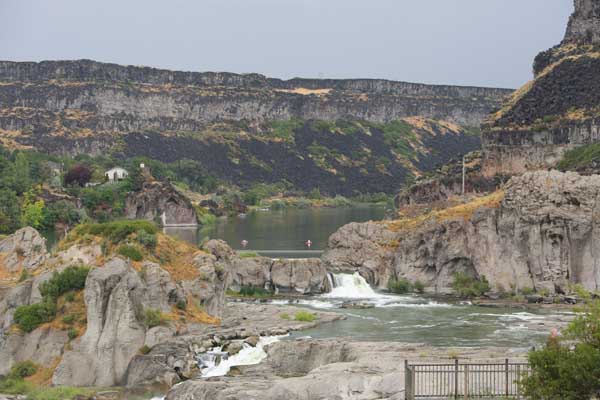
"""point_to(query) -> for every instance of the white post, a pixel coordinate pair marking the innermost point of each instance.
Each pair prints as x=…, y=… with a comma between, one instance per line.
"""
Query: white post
x=463, y=175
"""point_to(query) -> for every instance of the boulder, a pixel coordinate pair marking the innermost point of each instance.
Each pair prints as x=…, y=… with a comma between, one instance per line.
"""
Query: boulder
x=303, y=276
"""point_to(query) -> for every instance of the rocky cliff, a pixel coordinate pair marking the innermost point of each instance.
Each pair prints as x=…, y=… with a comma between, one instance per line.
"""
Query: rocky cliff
x=94, y=335
x=160, y=201
x=540, y=233
x=556, y=111
x=342, y=135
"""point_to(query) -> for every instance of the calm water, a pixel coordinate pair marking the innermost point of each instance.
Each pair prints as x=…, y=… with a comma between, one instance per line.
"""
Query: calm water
x=282, y=233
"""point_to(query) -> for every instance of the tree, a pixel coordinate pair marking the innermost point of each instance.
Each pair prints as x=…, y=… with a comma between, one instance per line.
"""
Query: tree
x=568, y=366
x=22, y=173
x=9, y=211
x=78, y=174
x=33, y=211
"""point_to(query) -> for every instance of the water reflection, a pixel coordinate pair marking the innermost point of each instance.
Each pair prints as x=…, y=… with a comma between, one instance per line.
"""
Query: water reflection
x=284, y=233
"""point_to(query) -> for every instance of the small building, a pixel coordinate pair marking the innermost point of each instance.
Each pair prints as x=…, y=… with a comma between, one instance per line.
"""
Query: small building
x=116, y=174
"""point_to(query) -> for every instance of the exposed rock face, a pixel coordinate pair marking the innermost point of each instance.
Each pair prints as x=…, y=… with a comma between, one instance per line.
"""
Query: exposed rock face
x=114, y=298
x=447, y=181
x=584, y=25
x=555, y=112
x=542, y=236
x=296, y=276
x=233, y=97
x=322, y=369
x=244, y=129
x=361, y=247
x=160, y=201
x=26, y=248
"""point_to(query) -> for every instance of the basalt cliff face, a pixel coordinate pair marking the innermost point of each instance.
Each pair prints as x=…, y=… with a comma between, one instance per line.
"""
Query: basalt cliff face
x=558, y=110
x=540, y=233
x=345, y=136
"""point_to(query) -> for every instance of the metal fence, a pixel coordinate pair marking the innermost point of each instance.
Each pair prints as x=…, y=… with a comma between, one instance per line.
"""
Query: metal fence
x=464, y=380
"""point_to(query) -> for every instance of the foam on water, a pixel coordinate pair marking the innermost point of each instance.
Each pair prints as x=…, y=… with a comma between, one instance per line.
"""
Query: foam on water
x=220, y=366
x=353, y=286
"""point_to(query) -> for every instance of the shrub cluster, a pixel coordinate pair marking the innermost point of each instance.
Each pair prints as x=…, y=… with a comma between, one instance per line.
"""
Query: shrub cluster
x=403, y=286
x=153, y=318
x=131, y=252
x=568, y=366
x=251, y=291
x=305, y=316
x=72, y=278
x=146, y=239
x=22, y=370
x=465, y=285
x=116, y=231
x=29, y=317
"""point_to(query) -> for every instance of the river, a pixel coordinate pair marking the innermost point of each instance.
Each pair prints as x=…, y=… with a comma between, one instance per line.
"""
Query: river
x=282, y=234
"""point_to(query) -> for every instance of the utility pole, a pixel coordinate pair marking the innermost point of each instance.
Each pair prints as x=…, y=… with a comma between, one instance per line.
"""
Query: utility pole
x=463, y=175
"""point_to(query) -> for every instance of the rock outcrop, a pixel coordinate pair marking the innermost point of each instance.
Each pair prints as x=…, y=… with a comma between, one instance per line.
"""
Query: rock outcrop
x=555, y=112
x=584, y=24
x=115, y=304
x=25, y=249
x=542, y=235
x=291, y=276
x=160, y=201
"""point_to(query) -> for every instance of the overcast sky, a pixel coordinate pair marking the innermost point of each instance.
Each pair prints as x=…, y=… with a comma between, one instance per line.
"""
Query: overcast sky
x=466, y=42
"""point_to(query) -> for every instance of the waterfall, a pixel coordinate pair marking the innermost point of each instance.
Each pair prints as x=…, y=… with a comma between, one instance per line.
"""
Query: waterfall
x=216, y=362
x=346, y=286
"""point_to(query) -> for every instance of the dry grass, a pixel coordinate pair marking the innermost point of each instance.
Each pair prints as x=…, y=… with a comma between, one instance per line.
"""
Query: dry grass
x=43, y=376
x=176, y=257
x=192, y=314
x=462, y=211
x=75, y=309
x=305, y=91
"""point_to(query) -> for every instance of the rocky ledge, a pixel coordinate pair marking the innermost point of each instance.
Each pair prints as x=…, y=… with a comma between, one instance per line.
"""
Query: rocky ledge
x=539, y=232
x=308, y=369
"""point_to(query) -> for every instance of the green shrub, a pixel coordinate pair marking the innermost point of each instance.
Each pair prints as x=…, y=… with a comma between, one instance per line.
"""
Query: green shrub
x=568, y=366
x=131, y=252
x=22, y=370
x=33, y=392
x=206, y=219
x=68, y=319
x=70, y=297
x=527, y=291
x=305, y=316
x=116, y=231
x=72, y=278
x=145, y=349
x=251, y=291
x=146, y=239
x=153, y=318
x=181, y=305
x=248, y=254
x=31, y=316
x=419, y=287
x=465, y=285
x=73, y=333
x=580, y=157
x=24, y=276
x=399, y=286
x=285, y=316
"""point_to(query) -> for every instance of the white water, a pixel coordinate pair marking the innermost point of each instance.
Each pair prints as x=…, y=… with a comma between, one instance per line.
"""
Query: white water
x=354, y=286
x=217, y=365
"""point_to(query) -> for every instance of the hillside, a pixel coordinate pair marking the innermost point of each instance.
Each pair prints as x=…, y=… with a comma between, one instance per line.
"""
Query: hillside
x=344, y=136
x=558, y=110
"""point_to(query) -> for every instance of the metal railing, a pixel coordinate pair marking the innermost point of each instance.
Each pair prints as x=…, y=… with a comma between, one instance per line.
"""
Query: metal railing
x=464, y=380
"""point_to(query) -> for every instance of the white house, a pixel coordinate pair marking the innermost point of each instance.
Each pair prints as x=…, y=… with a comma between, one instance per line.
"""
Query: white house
x=116, y=174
